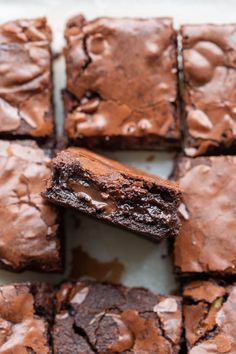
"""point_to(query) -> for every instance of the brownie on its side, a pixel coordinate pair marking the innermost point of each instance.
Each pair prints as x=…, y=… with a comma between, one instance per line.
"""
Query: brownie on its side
x=103, y=318
x=209, y=66
x=115, y=193
x=25, y=311
x=210, y=317
x=121, y=83
x=28, y=225
x=207, y=240
x=26, y=79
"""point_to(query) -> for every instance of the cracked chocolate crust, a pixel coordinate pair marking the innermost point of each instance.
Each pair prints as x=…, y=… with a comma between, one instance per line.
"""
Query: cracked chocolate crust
x=114, y=193
x=25, y=318
x=103, y=318
x=29, y=226
x=26, y=99
x=107, y=101
x=209, y=317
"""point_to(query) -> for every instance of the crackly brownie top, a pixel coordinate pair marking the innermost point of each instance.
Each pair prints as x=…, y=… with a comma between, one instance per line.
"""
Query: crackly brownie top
x=122, y=77
x=25, y=80
x=210, y=318
x=207, y=238
x=28, y=225
x=209, y=58
x=22, y=329
x=113, y=319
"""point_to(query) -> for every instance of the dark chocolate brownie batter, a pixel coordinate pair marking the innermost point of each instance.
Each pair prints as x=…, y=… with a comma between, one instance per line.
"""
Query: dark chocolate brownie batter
x=102, y=318
x=25, y=311
x=28, y=225
x=115, y=193
x=209, y=62
x=207, y=240
x=26, y=79
x=210, y=318
x=121, y=83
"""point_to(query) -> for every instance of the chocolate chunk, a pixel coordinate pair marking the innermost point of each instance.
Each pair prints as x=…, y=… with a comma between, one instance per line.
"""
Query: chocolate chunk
x=209, y=65
x=114, y=193
x=26, y=79
x=121, y=83
x=103, y=318
x=29, y=229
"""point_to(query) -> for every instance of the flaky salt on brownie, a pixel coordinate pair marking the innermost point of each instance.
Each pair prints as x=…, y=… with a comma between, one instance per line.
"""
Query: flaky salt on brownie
x=104, y=318
x=26, y=107
x=29, y=226
x=113, y=192
x=207, y=240
x=210, y=317
x=121, y=83
x=209, y=68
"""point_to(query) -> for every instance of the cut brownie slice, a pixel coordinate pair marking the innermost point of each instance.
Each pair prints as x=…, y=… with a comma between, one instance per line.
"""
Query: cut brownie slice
x=115, y=193
x=26, y=79
x=121, y=83
x=25, y=312
x=207, y=240
x=209, y=66
x=103, y=318
x=28, y=225
x=210, y=318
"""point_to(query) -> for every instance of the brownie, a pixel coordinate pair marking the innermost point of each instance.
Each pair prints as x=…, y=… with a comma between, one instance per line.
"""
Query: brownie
x=103, y=318
x=121, y=83
x=207, y=240
x=29, y=229
x=115, y=193
x=209, y=67
x=25, y=311
x=26, y=108
x=210, y=317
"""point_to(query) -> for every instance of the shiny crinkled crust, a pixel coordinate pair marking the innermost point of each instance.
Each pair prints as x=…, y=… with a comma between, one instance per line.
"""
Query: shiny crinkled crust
x=210, y=317
x=104, y=318
x=26, y=79
x=209, y=57
x=28, y=225
x=23, y=327
x=206, y=243
x=107, y=100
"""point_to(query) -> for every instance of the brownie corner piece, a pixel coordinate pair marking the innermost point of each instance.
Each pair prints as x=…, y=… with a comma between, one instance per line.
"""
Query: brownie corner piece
x=104, y=318
x=30, y=232
x=25, y=316
x=206, y=243
x=26, y=97
x=101, y=110
x=209, y=53
x=115, y=193
x=209, y=311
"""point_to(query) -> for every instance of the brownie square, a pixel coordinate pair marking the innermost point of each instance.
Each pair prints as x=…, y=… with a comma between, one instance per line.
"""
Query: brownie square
x=207, y=240
x=25, y=311
x=26, y=79
x=104, y=318
x=210, y=317
x=115, y=193
x=209, y=67
x=121, y=83
x=29, y=229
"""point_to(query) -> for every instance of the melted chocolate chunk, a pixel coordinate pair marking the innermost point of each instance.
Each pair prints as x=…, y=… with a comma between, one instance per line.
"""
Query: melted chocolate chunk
x=209, y=62
x=115, y=193
x=26, y=79
x=121, y=83
x=28, y=224
x=103, y=318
